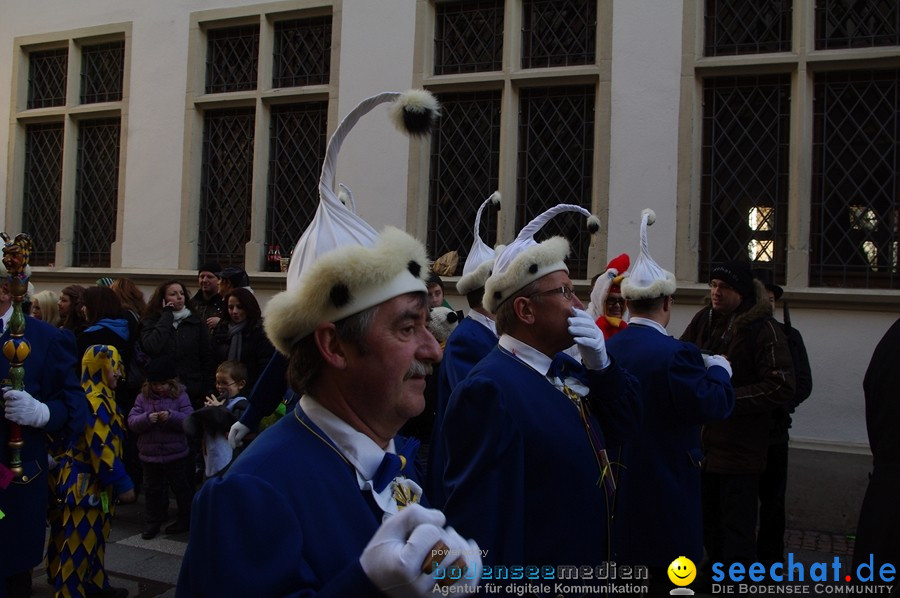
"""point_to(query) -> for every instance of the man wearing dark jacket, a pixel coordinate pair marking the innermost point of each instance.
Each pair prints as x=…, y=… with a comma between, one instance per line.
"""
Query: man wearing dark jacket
x=207, y=304
x=738, y=323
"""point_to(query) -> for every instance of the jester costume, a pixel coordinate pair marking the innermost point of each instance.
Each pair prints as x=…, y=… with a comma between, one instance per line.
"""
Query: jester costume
x=91, y=474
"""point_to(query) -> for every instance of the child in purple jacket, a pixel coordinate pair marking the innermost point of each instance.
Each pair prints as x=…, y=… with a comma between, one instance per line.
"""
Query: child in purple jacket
x=157, y=419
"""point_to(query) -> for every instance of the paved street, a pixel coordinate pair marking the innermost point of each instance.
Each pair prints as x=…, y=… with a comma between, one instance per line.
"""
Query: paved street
x=150, y=567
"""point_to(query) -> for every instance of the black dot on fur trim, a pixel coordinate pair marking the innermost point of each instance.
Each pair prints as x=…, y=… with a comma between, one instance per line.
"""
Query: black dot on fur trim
x=414, y=267
x=532, y=268
x=452, y=317
x=339, y=295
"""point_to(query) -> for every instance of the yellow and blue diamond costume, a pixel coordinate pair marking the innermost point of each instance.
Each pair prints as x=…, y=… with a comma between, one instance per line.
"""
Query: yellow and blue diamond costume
x=91, y=475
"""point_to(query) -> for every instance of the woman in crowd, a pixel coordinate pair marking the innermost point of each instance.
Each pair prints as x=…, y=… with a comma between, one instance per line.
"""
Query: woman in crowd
x=170, y=329
x=106, y=324
x=239, y=336
x=69, y=304
x=44, y=307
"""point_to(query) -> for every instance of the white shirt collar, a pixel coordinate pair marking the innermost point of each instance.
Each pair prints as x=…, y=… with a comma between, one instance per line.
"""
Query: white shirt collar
x=484, y=321
x=649, y=323
x=526, y=353
x=362, y=452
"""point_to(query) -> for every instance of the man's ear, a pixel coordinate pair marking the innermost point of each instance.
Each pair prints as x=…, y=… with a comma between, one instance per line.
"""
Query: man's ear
x=329, y=345
x=524, y=310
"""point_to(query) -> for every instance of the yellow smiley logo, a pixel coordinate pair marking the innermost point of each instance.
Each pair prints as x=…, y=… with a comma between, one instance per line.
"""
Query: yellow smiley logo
x=682, y=571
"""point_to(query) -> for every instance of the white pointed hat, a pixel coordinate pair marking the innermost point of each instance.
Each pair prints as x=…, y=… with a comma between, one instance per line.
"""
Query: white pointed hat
x=525, y=260
x=480, y=260
x=341, y=265
x=647, y=280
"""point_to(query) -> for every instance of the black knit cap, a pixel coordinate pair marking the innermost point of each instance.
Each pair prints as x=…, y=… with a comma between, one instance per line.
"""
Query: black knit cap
x=737, y=274
x=213, y=267
x=236, y=276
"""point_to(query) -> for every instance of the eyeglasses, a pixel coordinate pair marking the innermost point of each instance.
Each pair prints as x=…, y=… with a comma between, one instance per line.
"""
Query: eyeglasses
x=226, y=385
x=567, y=292
x=615, y=301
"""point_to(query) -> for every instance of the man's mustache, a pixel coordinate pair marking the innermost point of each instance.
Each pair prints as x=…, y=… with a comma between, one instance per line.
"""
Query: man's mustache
x=418, y=368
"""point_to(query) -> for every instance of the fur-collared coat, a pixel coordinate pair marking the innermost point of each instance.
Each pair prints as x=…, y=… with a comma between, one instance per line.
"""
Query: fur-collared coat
x=763, y=379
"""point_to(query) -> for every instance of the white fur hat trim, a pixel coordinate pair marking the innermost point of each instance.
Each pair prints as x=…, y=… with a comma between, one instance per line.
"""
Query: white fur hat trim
x=344, y=282
x=647, y=280
x=525, y=260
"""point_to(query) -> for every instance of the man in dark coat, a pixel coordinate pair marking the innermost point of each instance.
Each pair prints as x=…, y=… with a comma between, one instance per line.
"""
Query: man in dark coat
x=207, y=304
x=739, y=324
x=878, y=532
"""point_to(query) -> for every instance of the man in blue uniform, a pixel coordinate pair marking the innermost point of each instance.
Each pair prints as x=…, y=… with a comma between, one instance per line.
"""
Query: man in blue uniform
x=659, y=496
x=53, y=401
x=324, y=501
x=474, y=337
x=527, y=436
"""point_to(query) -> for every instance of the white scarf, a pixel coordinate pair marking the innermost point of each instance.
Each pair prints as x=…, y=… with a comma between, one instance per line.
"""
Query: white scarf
x=180, y=315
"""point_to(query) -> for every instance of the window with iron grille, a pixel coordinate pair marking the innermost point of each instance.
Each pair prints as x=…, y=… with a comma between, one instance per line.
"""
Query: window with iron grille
x=297, y=150
x=465, y=159
x=558, y=33
x=43, y=189
x=291, y=145
x=555, y=165
x=302, y=54
x=102, y=69
x=232, y=59
x=96, y=191
x=47, y=72
x=468, y=37
x=857, y=23
x=226, y=184
x=747, y=26
x=744, y=191
x=856, y=158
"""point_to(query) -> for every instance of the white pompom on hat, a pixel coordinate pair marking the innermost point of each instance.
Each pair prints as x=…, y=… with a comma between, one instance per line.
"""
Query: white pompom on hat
x=341, y=265
x=647, y=280
x=525, y=260
x=480, y=260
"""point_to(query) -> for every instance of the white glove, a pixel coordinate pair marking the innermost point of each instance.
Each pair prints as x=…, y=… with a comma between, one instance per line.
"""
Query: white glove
x=398, y=558
x=24, y=409
x=719, y=360
x=459, y=547
x=236, y=434
x=589, y=339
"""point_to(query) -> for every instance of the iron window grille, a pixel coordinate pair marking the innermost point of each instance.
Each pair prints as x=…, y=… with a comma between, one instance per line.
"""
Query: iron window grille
x=96, y=191
x=744, y=189
x=297, y=150
x=747, y=26
x=856, y=158
x=465, y=159
x=47, y=72
x=468, y=37
x=43, y=189
x=102, y=71
x=232, y=59
x=555, y=163
x=559, y=33
x=302, y=52
x=857, y=23
x=226, y=185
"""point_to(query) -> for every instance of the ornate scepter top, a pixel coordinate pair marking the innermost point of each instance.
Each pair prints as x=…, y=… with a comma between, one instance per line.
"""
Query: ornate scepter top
x=16, y=254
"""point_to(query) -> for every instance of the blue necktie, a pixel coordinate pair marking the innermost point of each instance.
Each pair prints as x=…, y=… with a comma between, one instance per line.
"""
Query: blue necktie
x=393, y=464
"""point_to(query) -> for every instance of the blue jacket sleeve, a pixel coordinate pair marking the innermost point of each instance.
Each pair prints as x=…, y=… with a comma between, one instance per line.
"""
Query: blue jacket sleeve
x=700, y=394
x=65, y=397
x=268, y=391
x=246, y=540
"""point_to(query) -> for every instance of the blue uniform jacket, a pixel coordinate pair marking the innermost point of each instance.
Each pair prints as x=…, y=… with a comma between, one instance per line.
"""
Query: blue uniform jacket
x=286, y=519
x=659, y=497
x=520, y=475
x=50, y=378
x=465, y=347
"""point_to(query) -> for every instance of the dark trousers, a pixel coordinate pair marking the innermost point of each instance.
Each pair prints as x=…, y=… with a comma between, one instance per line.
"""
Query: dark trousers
x=772, y=489
x=729, y=516
x=158, y=478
